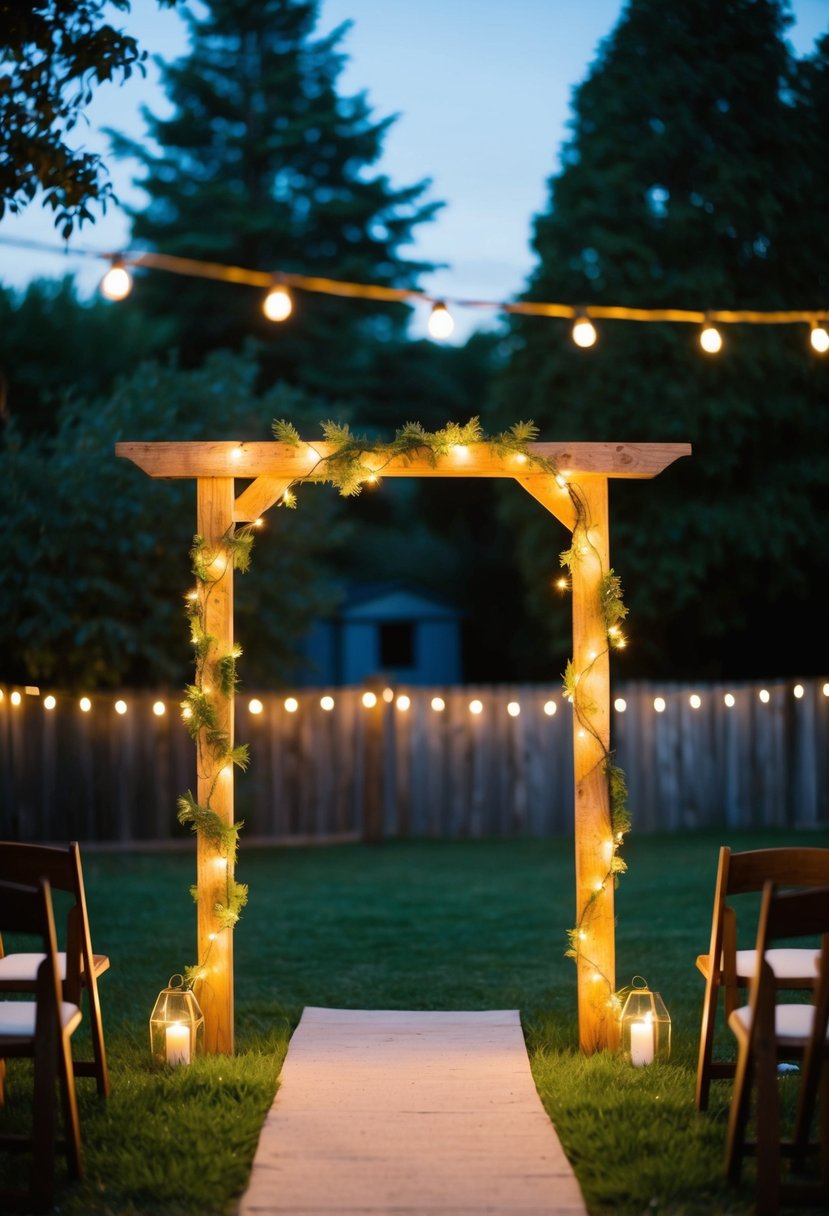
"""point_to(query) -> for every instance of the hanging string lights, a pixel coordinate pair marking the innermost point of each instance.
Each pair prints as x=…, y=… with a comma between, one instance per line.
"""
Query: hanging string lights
x=278, y=302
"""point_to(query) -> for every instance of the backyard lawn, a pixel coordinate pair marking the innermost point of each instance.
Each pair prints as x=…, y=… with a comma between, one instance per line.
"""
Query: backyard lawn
x=421, y=925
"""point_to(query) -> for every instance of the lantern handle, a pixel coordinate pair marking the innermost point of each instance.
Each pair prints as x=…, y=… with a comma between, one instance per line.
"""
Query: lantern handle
x=178, y=976
x=641, y=986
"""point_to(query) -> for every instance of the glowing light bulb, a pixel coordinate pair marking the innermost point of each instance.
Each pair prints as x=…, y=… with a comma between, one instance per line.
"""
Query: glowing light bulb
x=438, y=704
x=291, y=705
x=15, y=698
x=563, y=584
x=764, y=695
x=659, y=704
x=513, y=709
x=476, y=706
x=369, y=699
x=694, y=700
x=85, y=705
x=710, y=339
x=403, y=702
x=819, y=338
x=121, y=707
x=278, y=305
x=730, y=700
x=620, y=705
x=49, y=702
x=117, y=282
x=799, y=691
x=583, y=332
x=159, y=709
x=255, y=706
x=440, y=323
x=550, y=708
x=327, y=703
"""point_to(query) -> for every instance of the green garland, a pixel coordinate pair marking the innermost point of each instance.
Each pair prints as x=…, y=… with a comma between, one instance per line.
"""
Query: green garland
x=214, y=747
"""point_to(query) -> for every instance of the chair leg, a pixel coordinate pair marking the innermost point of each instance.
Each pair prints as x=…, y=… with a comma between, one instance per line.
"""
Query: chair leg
x=706, y=1042
x=768, y=1127
x=44, y=1121
x=71, y=1121
x=98, y=1045
x=738, y=1115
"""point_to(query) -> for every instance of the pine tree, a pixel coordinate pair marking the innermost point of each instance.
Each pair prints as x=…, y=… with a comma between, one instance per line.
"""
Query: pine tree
x=698, y=155
x=264, y=165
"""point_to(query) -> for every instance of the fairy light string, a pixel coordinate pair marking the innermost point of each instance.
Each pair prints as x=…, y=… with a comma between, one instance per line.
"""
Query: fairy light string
x=215, y=678
x=117, y=285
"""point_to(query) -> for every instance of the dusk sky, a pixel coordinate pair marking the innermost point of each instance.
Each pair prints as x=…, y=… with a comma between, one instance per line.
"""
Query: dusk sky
x=482, y=89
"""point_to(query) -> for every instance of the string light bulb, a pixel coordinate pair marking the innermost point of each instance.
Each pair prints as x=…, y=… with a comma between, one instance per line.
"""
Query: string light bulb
x=440, y=323
x=710, y=338
x=819, y=338
x=117, y=282
x=583, y=332
x=278, y=305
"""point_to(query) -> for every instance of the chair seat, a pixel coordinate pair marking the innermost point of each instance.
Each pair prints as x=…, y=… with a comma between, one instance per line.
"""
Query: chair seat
x=17, y=1018
x=22, y=968
x=787, y=963
x=792, y=1023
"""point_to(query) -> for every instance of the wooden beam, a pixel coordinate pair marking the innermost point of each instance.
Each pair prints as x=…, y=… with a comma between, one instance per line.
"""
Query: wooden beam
x=552, y=496
x=258, y=497
x=280, y=460
x=215, y=783
x=591, y=744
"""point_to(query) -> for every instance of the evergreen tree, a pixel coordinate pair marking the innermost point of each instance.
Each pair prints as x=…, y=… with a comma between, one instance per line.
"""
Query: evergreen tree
x=699, y=152
x=90, y=344
x=264, y=165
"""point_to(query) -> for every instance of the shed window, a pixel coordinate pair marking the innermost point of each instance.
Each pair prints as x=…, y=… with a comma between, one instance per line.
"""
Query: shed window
x=397, y=644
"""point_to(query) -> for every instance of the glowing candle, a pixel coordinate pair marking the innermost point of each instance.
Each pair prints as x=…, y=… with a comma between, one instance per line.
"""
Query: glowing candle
x=641, y=1043
x=178, y=1043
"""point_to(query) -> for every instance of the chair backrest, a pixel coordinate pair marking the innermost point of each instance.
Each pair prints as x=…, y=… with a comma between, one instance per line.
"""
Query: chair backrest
x=27, y=864
x=746, y=872
x=27, y=909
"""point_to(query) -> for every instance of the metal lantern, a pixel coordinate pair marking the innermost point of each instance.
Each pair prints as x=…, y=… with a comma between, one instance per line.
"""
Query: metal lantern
x=645, y=1026
x=176, y=1024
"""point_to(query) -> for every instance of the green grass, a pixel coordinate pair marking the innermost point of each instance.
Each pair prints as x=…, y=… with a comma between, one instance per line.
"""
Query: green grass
x=464, y=925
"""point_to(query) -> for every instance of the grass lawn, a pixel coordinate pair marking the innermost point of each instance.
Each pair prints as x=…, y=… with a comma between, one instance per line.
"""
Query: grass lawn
x=422, y=925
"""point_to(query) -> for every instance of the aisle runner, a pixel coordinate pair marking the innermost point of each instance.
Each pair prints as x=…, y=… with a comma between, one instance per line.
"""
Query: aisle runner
x=402, y=1113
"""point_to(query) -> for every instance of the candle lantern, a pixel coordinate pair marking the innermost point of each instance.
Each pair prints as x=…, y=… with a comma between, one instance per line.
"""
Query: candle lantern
x=645, y=1026
x=176, y=1024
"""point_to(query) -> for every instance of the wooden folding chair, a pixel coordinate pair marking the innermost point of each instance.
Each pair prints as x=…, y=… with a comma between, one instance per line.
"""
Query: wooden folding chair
x=768, y=1032
x=41, y=1030
x=79, y=967
x=739, y=874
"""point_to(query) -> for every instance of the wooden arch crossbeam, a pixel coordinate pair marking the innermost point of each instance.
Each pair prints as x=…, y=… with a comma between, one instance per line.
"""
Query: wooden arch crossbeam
x=269, y=468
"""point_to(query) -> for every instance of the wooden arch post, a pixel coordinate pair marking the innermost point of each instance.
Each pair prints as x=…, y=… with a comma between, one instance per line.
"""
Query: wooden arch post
x=578, y=498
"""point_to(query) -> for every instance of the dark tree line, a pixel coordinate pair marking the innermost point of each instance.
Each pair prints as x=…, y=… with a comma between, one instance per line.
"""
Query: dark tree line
x=697, y=154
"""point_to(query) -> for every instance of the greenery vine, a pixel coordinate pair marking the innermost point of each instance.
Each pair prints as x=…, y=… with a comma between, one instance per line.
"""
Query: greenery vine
x=214, y=747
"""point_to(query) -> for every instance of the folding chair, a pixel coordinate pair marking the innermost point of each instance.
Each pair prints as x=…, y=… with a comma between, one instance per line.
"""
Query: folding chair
x=739, y=874
x=40, y=1030
x=768, y=1032
x=79, y=967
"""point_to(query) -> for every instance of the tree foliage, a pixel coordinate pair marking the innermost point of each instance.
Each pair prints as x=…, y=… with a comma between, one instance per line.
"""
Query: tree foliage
x=699, y=148
x=95, y=565
x=53, y=54
x=264, y=164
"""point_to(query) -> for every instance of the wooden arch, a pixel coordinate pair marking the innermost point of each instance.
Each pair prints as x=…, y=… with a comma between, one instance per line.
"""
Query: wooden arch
x=269, y=468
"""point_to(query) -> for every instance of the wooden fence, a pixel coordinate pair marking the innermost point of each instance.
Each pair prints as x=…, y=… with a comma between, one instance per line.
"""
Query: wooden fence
x=421, y=764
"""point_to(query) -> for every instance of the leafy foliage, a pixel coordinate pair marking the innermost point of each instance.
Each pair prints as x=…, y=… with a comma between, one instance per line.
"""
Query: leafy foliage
x=53, y=54
x=260, y=136
x=711, y=205
x=96, y=554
